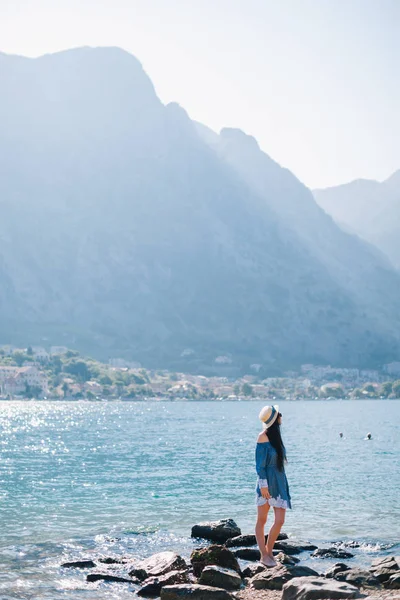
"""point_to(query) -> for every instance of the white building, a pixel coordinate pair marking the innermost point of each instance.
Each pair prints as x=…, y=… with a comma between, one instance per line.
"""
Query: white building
x=14, y=380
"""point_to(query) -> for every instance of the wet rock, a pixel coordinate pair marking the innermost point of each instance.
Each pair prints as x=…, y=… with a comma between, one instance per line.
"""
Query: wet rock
x=274, y=579
x=291, y=548
x=383, y=574
x=151, y=588
x=213, y=555
x=252, y=570
x=216, y=531
x=308, y=588
x=357, y=577
x=247, y=553
x=79, y=564
x=388, y=562
x=284, y=559
x=249, y=540
x=108, y=560
x=158, y=564
x=92, y=577
x=393, y=583
x=331, y=552
x=220, y=577
x=194, y=592
x=337, y=568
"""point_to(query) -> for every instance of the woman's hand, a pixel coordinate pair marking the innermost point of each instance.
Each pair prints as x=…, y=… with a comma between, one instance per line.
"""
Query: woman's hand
x=265, y=493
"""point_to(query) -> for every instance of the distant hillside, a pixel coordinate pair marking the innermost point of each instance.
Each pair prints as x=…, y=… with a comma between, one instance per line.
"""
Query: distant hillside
x=370, y=209
x=125, y=233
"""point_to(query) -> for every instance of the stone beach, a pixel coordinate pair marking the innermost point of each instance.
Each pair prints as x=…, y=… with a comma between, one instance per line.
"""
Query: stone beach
x=213, y=571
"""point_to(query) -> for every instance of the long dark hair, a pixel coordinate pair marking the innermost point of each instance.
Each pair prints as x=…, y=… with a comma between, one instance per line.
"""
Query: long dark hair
x=274, y=436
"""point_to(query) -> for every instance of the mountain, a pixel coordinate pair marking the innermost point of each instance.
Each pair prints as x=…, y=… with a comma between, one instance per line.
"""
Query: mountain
x=369, y=208
x=124, y=232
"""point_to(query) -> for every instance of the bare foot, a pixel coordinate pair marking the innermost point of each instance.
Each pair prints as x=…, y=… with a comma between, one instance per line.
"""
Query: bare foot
x=268, y=561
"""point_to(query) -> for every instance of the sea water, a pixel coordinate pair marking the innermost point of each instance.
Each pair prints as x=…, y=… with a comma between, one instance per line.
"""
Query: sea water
x=81, y=479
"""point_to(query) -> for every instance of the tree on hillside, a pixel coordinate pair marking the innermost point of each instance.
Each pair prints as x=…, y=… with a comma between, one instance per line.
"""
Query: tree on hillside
x=29, y=351
x=105, y=380
x=79, y=368
x=65, y=388
x=396, y=388
x=19, y=358
x=247, y=389
x=386, y=389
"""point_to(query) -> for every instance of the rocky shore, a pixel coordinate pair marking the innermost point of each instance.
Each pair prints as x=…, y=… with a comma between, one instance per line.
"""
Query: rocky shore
x=214, y=572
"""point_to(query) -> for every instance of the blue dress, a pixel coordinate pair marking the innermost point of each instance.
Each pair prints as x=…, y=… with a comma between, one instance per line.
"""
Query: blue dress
x=269, y=475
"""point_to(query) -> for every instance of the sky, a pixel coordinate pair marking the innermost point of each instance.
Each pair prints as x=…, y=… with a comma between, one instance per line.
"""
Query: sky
x=316, y=82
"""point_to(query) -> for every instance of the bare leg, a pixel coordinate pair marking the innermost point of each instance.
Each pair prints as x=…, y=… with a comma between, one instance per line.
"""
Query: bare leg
x=275, y=529
x=262, y=515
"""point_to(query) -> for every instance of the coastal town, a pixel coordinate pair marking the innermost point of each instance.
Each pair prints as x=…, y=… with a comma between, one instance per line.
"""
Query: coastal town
x=63, y=374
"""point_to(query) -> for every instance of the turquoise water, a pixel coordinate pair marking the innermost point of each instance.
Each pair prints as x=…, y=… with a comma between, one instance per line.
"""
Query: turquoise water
x=84, y=478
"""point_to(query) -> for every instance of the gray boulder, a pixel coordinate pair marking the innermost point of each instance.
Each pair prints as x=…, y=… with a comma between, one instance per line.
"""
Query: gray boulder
x=274, y=579
x=393, y=583
x=158, y=564
x=337, y=568
x=79, y=564
x=388, y=562
x=247, y=553
x=284, y=559
x=307, y=588
x=331, y=553
x=220, y=577
x=216, y=531
x=92, y=577
x=357, y=577
x=213, y=555
x=252, y=570
x=151, y=588
x=194, y=592
x=382, y=574
x=249, y=540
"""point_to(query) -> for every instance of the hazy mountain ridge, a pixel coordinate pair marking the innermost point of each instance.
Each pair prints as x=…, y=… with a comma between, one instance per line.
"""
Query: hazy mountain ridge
x=124, y=233
x=370, y=208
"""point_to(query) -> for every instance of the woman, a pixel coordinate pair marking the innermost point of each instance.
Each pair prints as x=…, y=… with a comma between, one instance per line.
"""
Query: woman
x=272, y=486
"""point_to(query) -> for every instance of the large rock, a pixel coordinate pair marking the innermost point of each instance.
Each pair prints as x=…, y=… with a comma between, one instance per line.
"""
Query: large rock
x=382, y=574
x=331, y=553
x=151, y=588
x=216, y=531
x=158, y=564
x=247, y=553
x=213, y=555
x=307, y=588
x=92, y=577
x=393, y=583
x=79, y=564
x=249, y=540
x=357, y=577
x=284, y=559
x=337, y=568
x=220, y=577
x=291, y=548
x=274, y=579
x=194, y=592
x=252, y=570
x=387, y=562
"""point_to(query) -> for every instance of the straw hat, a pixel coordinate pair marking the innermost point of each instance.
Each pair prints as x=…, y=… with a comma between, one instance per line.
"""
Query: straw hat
x=268, y=415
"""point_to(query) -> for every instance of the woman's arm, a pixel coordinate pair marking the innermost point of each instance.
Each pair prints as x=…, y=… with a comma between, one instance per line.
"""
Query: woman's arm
x=261, y=468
